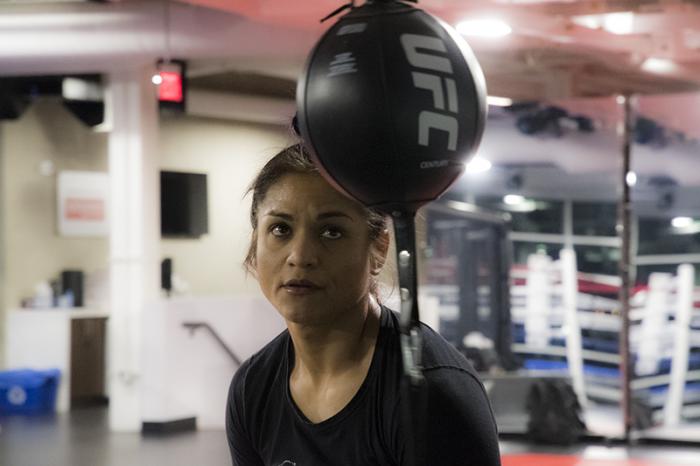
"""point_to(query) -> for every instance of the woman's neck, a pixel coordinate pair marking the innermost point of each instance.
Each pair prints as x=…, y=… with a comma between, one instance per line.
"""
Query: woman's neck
x=323, y=352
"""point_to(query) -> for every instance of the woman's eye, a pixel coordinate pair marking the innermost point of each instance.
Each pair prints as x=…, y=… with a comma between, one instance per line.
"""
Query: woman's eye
x=331, y=233
x=279, y=230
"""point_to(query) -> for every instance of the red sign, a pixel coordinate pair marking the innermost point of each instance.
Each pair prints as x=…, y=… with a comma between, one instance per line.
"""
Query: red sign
x=85, y=209
x=170, y=88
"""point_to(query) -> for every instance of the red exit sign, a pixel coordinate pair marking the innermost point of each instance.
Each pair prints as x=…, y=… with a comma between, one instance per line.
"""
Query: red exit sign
x=170, y=88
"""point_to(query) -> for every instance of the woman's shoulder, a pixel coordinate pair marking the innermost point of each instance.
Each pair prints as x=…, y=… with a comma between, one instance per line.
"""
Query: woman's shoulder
x=262, y=365
x=454, y=392
x=438, y=352
x=438, y=355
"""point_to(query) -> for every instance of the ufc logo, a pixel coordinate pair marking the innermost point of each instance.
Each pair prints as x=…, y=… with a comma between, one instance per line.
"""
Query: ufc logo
x=424, y=52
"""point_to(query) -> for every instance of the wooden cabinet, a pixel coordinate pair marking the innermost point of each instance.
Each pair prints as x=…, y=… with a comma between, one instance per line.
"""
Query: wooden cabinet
x=87, y=361
x=71, y=340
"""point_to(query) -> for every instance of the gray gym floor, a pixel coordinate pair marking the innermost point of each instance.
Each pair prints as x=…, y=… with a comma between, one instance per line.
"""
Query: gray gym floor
x=82, y=438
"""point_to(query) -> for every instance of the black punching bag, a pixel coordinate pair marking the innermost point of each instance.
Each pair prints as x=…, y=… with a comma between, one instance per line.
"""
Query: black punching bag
x=391, y=104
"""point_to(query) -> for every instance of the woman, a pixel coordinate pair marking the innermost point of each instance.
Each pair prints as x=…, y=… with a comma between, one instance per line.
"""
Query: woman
x=327, y=390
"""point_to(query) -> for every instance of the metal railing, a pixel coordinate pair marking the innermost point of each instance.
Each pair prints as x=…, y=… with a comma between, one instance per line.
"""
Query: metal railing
x=193, y=326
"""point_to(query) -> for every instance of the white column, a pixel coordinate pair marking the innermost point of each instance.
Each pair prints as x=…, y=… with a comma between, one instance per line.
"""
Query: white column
x=538, y=300
x=653, y=325
x=679, y=363
x=134, y=237
x=572, y=327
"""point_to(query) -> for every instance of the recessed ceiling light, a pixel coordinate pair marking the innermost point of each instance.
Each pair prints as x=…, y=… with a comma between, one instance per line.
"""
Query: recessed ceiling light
x=478, y=165
x=619, y=23
x=513, y=199
x=588, y=21
x=484, y=28
x=658, y=65
x=499, y=101
x=615, y=23
x=682, y=222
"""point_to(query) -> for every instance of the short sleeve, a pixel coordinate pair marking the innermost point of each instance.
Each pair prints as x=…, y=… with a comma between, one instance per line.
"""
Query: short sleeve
x=238, y=436
x=458, y=428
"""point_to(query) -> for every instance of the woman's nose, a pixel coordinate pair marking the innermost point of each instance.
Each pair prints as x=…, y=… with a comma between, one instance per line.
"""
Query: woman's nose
x=303, y=251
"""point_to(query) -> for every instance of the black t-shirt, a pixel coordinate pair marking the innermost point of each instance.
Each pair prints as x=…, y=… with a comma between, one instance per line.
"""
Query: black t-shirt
x=265, y=427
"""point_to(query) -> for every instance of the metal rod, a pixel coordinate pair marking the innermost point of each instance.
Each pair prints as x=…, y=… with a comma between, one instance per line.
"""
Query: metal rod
x=623, y=224
x=405, y=233
x=413, y=390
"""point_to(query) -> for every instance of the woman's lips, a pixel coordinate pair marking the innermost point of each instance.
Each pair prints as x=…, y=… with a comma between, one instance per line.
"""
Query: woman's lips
x=299, y=290
x=300, y=287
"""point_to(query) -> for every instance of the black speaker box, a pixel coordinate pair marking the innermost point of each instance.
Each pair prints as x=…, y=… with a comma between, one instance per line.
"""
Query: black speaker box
x=73, y=280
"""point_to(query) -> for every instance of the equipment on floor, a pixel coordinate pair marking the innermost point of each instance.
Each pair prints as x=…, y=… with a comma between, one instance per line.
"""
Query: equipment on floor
x=542, y=407
x=554, y=413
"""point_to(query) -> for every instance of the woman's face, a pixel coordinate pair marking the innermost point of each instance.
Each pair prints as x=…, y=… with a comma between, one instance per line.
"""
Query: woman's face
x=313, y=250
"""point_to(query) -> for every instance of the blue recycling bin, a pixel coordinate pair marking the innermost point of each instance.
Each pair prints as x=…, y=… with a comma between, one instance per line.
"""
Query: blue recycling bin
x=28, y=392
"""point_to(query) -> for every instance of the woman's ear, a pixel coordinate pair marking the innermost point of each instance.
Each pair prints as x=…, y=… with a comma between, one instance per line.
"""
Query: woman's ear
x=254, y=266
x=380, y=249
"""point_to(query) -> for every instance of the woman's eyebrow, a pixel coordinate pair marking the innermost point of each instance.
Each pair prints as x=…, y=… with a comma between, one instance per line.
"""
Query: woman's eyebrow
x=321, y=216
x=325, y=215
x=274, y=213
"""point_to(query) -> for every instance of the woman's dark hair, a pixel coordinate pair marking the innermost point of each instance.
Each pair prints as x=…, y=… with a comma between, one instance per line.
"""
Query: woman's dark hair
x=295, y=159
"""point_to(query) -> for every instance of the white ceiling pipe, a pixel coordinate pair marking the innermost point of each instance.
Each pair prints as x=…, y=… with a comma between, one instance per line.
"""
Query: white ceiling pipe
x=229, y=106
x=99, y=37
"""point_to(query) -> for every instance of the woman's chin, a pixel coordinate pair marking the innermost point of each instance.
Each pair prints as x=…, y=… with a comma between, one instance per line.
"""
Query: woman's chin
x=315, y=310
x=304, y=315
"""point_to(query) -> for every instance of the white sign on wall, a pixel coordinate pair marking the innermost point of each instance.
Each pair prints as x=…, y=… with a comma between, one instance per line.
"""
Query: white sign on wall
x=83, y=203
